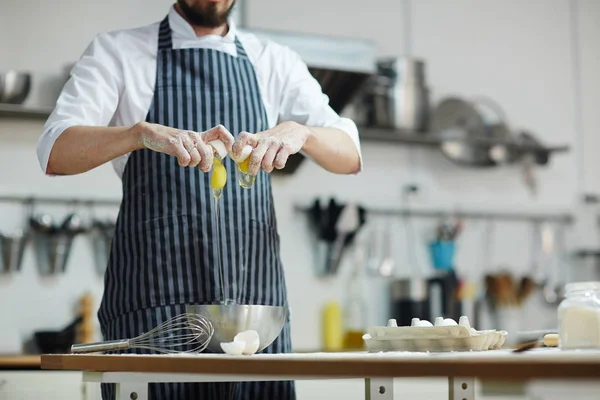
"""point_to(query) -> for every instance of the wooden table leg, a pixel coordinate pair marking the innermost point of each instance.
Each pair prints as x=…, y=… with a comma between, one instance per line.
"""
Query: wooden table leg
x=379, y=389
x=132, y=391
x=461, y=388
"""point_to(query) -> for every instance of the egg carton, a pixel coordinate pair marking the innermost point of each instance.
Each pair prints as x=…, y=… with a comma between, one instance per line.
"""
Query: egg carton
x=423, y=336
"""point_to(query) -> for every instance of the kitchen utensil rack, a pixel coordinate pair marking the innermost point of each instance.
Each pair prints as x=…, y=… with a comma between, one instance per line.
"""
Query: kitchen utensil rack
x=31, y=200
x=563, y=218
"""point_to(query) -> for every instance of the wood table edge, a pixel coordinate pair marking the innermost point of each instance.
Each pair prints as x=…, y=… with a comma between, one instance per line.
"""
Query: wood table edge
x=19, y=361
x=348, y=369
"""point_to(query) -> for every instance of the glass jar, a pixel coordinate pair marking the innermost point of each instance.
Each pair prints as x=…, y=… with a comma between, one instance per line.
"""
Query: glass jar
x=579, y=316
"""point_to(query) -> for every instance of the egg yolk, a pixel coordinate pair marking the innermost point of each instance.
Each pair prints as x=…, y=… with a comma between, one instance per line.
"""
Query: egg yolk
x=219, y=175
x=244, y=165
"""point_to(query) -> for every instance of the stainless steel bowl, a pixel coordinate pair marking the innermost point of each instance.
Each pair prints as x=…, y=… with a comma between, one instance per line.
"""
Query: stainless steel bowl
x=14, y=87
x=231, y=319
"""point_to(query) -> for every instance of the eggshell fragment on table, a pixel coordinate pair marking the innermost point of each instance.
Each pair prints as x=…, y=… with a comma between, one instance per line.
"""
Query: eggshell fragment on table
x=251, y=341
x=235, y=348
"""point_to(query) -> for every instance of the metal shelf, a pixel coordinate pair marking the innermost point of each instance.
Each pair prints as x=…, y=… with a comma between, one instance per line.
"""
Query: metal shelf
x=368, y=134
x=588, y=253
x=428, y=139
x=24, y=112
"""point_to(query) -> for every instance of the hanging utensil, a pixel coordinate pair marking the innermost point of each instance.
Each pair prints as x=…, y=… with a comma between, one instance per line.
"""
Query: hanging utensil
x=386, y=267
x=549, y=289
x=372, y=257
x=53, y=242
x=347, y=223
x=12, y=247
x=465, y=125
x=329, y=220
x=102, y=234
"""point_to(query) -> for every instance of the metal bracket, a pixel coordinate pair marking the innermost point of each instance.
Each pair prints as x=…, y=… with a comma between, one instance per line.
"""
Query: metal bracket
x=132, y=391
x=461, y=388
x=379, y=389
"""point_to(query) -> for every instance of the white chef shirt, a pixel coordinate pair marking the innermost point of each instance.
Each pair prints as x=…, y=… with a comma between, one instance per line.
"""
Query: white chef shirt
x=112, y=84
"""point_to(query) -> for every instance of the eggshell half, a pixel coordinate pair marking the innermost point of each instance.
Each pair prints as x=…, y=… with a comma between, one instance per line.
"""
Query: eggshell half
x=245, y=154
x=251, y=341
x=235, y=348
x=219, y=147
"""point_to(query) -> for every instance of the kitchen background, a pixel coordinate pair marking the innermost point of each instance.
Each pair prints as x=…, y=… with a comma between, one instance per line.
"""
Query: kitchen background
x=538, y=59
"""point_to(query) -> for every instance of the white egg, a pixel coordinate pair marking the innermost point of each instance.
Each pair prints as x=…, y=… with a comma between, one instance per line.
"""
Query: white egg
x=439, y=321
x=219, y=147
x=245, y=154
x=464, y=321
x=392, y=323
x=448, y=322
x=413, y=322
x=424, y=322
x=235, y=348
x=251, y=341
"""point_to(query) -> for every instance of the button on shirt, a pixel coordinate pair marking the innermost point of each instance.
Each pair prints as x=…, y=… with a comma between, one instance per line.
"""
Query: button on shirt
x=112, y=84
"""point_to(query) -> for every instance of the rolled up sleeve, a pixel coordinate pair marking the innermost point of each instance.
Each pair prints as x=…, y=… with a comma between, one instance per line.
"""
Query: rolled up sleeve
x=303, y=101
x=90, y=96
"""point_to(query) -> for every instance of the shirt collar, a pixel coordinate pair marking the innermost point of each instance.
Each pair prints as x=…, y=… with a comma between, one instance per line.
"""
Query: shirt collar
x=181, y=27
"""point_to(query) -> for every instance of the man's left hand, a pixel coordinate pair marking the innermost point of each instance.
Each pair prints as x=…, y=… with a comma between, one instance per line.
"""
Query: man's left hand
x=272, y=147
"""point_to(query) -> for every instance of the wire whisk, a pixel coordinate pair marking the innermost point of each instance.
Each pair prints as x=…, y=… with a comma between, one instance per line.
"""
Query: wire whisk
x=185, y=333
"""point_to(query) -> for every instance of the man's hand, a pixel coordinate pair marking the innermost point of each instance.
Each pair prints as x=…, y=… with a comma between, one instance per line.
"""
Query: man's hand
x=272, y=147
x=190, y=148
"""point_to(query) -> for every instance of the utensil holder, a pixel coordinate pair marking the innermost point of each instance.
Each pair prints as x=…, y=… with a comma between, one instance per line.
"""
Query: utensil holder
x=52, y=251
x=12, y=248
x=102, y=241
x=442, y=254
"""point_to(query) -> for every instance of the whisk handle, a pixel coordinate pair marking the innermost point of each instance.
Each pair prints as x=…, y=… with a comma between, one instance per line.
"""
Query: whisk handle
x=100, y=346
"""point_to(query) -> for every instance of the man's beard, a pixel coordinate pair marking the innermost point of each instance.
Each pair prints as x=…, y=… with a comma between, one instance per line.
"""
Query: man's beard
x=208, y=17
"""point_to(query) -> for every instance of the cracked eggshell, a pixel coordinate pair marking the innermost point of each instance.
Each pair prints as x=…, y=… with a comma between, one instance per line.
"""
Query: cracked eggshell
x=235, y=348
x=219, y=147
x=245, y=154
x=251, y=341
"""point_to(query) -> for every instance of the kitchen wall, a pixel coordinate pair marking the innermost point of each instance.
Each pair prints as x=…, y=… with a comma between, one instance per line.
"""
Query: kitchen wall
x=521, y=54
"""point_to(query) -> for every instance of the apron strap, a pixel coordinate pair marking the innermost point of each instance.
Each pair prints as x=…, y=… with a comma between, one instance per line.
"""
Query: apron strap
x=165, y=42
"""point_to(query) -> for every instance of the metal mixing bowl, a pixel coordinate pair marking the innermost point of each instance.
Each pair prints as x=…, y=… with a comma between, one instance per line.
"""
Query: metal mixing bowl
x=14, y=87
x=231, y=319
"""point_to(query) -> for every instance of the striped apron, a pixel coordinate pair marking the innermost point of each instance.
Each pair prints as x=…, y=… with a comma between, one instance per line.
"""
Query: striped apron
x=164, y=251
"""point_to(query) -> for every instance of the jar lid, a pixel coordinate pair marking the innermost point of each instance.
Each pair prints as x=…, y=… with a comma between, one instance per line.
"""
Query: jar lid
x=582, y=286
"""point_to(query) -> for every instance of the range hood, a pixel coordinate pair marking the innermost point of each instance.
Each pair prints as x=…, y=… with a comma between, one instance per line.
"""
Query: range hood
x=340, y=65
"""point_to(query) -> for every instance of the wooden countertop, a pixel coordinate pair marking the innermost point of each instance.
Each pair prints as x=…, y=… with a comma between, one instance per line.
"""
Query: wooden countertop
x=20, y=361
x=500, y=364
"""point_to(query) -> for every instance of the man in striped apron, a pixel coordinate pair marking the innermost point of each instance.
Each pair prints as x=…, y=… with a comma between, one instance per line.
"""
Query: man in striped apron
x=164, y=251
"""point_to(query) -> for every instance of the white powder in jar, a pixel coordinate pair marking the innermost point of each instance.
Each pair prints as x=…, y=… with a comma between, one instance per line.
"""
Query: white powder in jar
x=579, y=327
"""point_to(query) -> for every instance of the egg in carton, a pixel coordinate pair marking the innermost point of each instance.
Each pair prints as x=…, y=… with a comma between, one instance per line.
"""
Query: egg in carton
x=423, y=336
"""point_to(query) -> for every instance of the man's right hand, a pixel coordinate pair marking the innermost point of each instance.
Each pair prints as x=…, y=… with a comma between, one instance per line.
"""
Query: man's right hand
x=190, y=148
